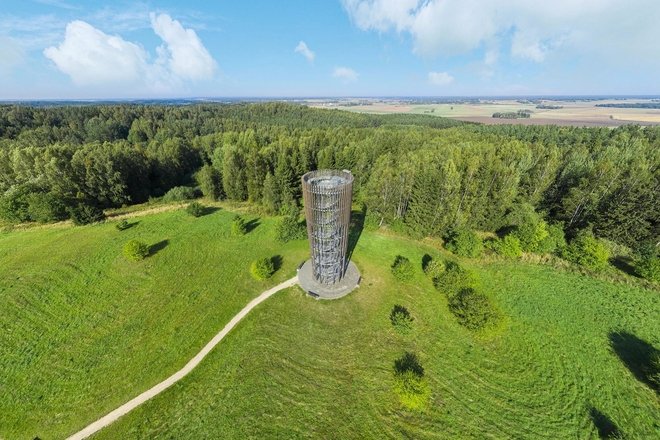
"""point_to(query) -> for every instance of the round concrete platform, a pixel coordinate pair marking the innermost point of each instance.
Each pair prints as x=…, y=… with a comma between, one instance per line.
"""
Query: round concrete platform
x=306, y=280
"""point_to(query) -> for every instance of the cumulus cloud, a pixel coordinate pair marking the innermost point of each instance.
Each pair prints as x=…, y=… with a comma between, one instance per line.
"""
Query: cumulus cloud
x=440, y=78
x=91, y=57
x=533, y=30
x=346, y=74
x=305, y=51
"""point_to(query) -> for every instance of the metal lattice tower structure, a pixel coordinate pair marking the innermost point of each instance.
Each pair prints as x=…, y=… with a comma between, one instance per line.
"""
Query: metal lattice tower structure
x=327, y=195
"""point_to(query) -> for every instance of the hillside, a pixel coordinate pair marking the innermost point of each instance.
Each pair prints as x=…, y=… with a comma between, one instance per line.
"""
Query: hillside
x=85, y=330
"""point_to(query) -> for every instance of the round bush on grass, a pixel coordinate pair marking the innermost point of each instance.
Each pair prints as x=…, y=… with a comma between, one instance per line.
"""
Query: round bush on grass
x=434, y=268
x=473, y=310
x=122, y=225
x=401, y=319
x=289, y=228
x=586, y=250
x=454, y=278
x=402, y=268
x=136, y=250
x=464, y=242
x=262, y=268
x=195, y=209
x=409, y=382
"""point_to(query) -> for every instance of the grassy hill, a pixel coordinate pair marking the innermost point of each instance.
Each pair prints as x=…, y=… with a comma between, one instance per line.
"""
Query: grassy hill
x=83, y=330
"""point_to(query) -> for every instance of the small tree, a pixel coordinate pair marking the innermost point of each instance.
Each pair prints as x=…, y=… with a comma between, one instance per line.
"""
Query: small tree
x=472, y=309
x=454, y=278
x=410, y=385
x=179, y=193
x=136, y=250
x=209, y=180
x=195, y=209
x=46, y=207
x=434, y=268
x=84, y=213
x=649, y=267
x=288, y=228
x=122, y=225
x=238, y=226
x=464, y=242
x=262, y=268
x=554, y=242
x=507, y=246
x=586, y=250
x=401, y=319
x=402, y=268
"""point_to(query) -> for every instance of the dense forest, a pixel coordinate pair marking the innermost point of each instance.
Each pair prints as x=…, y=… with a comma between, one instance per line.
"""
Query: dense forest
x=421, y=174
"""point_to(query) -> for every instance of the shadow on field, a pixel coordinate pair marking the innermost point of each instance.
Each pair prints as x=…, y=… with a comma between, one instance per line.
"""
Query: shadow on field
x=157, y=247
x=408, y=362
x=426, y=259
x=251, y=225
x=624, y=264
x=209, y=210
x=355, y=231
x=640, y=357
x=277, y=262
x=607, y=429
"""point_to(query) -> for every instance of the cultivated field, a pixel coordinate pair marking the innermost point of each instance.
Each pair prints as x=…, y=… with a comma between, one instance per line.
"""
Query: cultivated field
x=577, y=113
x=84, y=330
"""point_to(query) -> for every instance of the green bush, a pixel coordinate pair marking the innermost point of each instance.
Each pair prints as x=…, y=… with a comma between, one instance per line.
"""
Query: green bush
x=454, y=278
x=136, y=250
x=262, y=268
x=528, y=226
x=122, y=225
x=238, y=226
x=410, y=385
x=209, y=180
x=649, y=267
x=402, y=268
x=464, y=242
x=586, y=250
x=45, y=208
x=180, y=193
x=84, y=213
x=507, y=246
x=434, y=268
x=401, y=319
x=472, y=309
x=195, y=209
x=14, y=204
x=554, y=242
x=288, y=228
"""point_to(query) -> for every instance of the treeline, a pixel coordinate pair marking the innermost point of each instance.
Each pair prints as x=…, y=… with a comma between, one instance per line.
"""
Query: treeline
x=647, y=105
x=513, y=115
x=421, y=174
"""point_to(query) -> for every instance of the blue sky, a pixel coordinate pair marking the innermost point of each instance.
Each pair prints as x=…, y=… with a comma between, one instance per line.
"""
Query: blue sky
x=97, y=49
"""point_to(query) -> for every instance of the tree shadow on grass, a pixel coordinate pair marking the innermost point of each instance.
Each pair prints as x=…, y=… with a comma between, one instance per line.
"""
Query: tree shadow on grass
x=624, y=264
x=277, y=261
x=209, y=210
x=607, y=429
x=426, y=259
x=355, y=231
x=251, y=225
x=157, y=247
x=640, y=357
x=408, y=362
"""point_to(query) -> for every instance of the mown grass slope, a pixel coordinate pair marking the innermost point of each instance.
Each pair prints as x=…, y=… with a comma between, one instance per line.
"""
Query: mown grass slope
x=84, y=330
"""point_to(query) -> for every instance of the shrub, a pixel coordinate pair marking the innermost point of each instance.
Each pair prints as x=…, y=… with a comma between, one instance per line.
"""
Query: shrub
x=409, y=382
x=136, y=250
x=528, y=226
x=586, y=250
x=195, y=209
x=262, y=268
x=507, y=246
x=179, y=193
x=649, y=267
x=454, y=278
x=288, y=228
x=238, y=226
x=472, y=309
x=84, y=213
x=554, y=241
x=122, y=225
x=402, y=268
x=434, y=268
x=45, y=207
x=464, y=242
x=14, y=204
x=401, y=319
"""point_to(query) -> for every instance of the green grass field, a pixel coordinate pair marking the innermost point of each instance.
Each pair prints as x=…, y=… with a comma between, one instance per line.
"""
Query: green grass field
x=83, y=330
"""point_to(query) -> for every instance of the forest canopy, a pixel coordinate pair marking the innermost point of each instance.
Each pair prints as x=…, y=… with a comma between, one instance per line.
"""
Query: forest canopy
x=423, y=174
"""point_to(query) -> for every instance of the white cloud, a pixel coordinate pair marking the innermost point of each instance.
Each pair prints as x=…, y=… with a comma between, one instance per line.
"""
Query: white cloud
x=440, y=78
x=187, y=57
x=305, y=51
x=346, y=74
x=91, y=57
x=534, y=30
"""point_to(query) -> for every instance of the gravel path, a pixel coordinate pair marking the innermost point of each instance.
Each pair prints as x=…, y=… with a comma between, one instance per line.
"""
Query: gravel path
x=162, y=386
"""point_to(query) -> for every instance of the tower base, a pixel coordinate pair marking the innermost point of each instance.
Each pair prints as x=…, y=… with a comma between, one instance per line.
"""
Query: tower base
x=306, y=280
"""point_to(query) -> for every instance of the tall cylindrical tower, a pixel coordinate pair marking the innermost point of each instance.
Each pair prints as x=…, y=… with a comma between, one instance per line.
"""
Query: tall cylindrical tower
x=327, y=195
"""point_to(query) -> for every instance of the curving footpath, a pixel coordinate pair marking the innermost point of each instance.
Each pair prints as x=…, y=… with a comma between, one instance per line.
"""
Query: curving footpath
x=192, y=363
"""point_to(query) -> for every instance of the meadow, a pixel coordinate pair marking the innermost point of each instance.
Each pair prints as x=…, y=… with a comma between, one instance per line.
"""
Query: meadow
x=84, y=330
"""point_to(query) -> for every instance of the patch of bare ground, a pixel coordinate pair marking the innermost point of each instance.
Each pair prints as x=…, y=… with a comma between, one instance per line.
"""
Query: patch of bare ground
x=548, y=121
